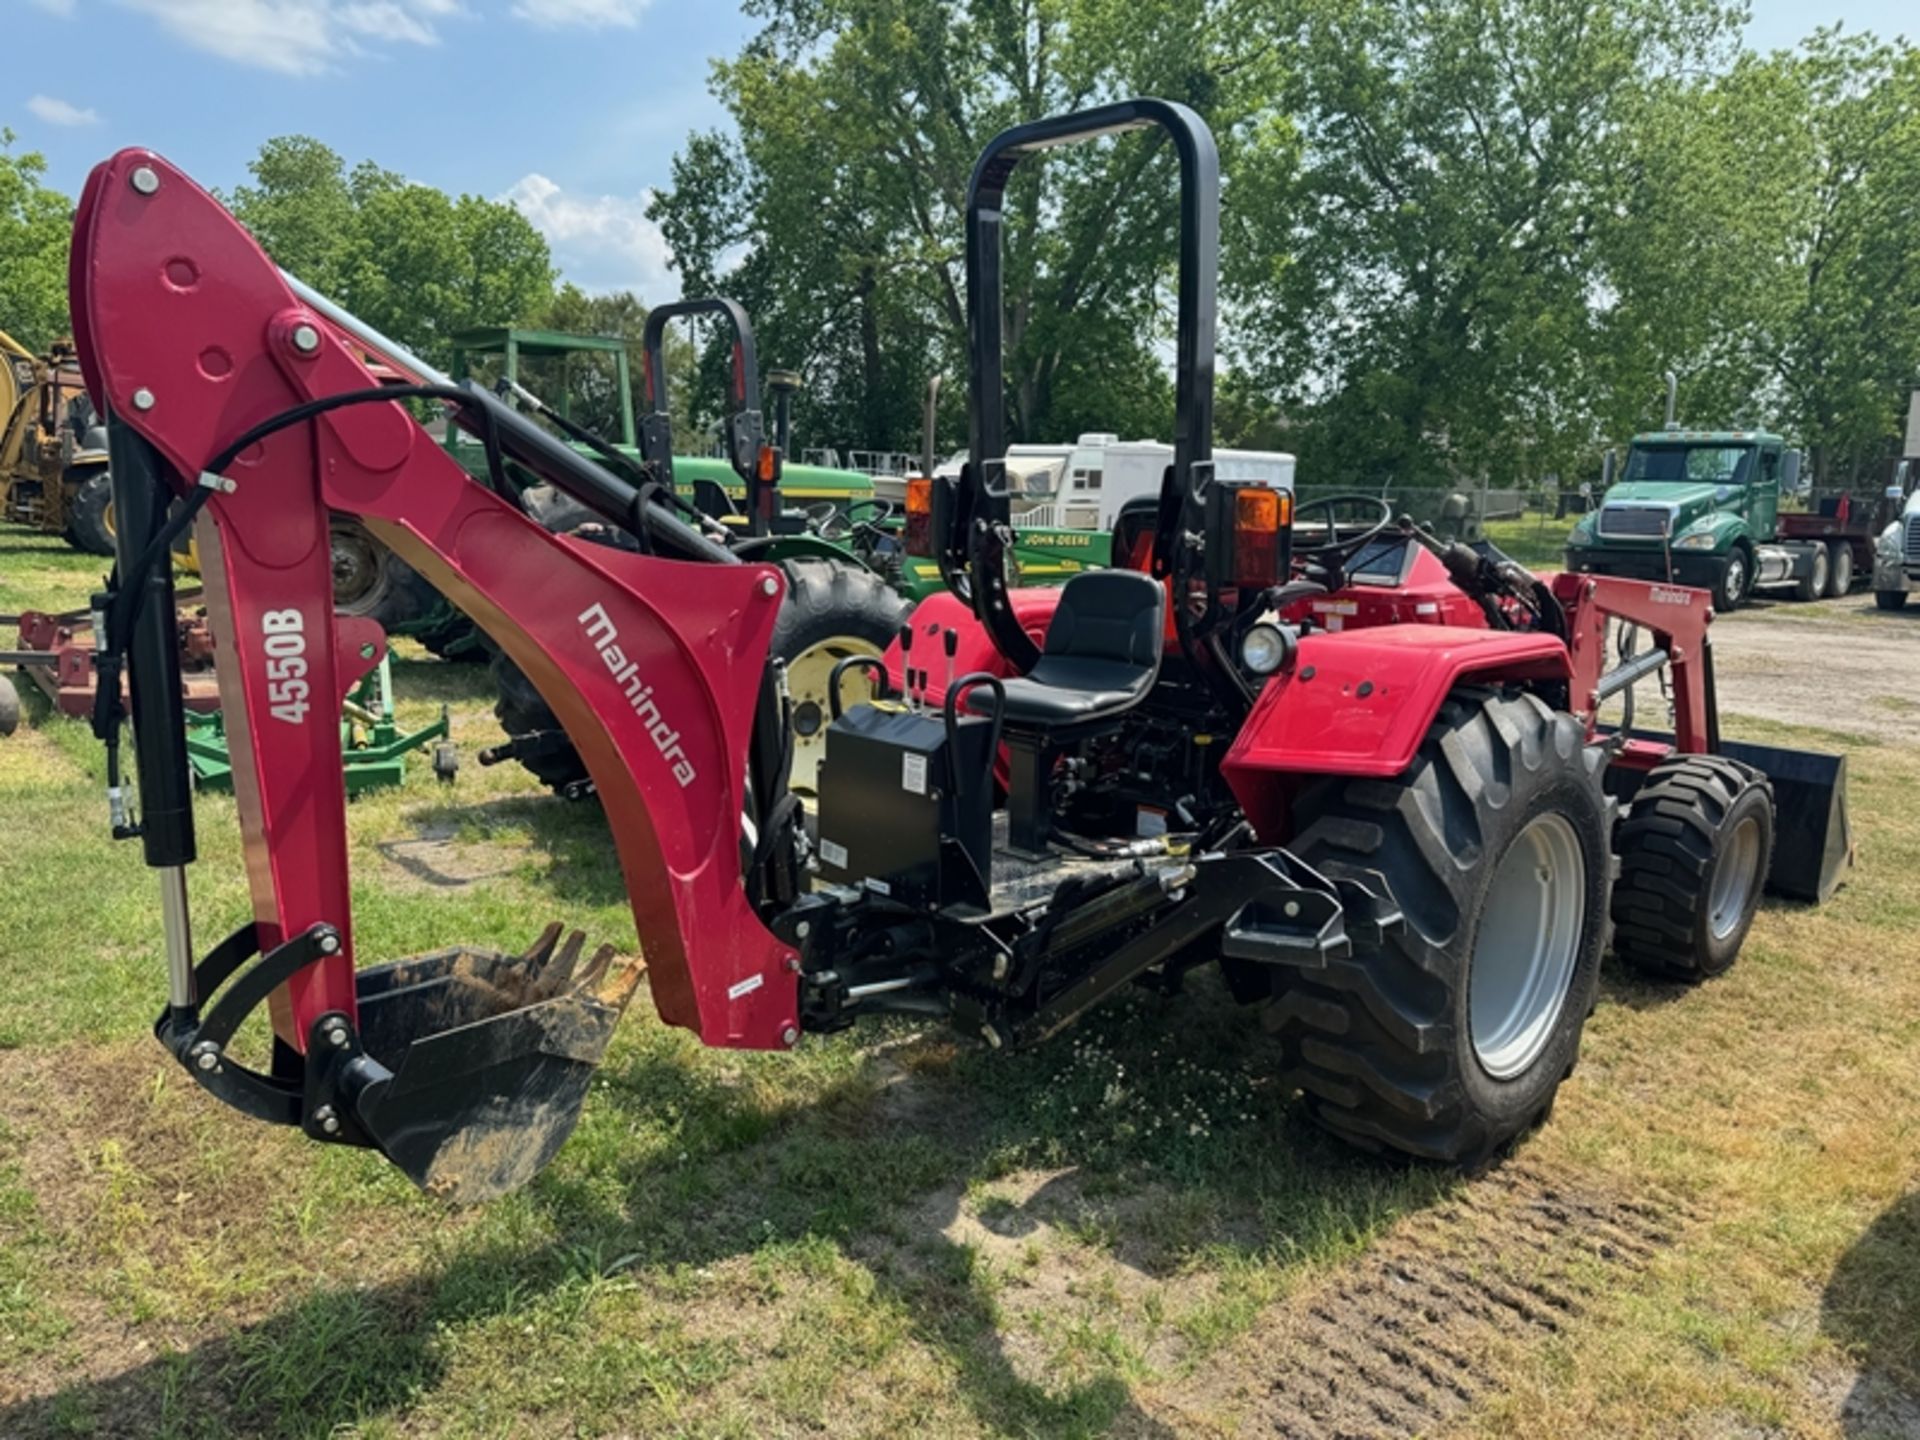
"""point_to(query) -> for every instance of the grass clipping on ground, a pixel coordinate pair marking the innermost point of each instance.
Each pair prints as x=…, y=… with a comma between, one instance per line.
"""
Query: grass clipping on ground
x=1130, y=1232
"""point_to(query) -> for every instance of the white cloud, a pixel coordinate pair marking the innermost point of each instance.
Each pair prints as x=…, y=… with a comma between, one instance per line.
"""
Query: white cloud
x=602, y=242
x=61, y=112
x=593, y=14
x=296, y=37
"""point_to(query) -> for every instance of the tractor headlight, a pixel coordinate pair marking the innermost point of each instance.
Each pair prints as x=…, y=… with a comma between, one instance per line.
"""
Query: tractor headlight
x=1264, y=648
x=1700, y=540
x=1888, y=546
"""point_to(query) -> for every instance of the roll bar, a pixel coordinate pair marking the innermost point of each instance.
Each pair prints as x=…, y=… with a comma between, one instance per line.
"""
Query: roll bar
x=979, y=518
x=746, y=428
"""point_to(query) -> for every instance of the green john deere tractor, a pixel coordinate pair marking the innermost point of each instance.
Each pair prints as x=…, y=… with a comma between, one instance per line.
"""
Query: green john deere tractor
x=370, y=580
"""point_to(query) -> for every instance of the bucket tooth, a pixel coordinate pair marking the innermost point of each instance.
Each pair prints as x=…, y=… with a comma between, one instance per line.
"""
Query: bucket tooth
x=484, y=1058
x=552, y=972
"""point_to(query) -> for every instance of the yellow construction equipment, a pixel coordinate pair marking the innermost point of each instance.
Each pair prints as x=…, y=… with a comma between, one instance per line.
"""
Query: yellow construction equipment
x=53, y=448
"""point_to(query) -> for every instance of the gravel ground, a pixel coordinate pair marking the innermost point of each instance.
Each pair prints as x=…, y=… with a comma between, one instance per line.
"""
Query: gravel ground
x=1836, y=664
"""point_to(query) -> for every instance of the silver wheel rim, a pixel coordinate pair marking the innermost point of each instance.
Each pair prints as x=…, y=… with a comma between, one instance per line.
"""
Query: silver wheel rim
x=1819, y=572
x=1733, y=880
x=1736, y=578
x=359, y=579
x=1527, y=946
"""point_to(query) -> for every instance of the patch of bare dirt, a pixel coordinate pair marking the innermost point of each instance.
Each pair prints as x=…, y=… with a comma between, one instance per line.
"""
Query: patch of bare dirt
x=436, y=859
x=1406, y=1339
x=1867, y=1404
x=1836, y=664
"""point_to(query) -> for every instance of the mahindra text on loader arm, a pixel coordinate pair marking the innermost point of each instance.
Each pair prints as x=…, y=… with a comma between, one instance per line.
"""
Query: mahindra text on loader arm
x=1398, y=842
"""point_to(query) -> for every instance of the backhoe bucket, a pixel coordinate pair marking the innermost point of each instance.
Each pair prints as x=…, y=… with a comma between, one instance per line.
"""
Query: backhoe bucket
x=1812, y=839
x=483, y=1059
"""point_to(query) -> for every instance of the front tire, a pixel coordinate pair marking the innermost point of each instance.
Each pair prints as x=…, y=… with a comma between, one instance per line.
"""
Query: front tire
x=90, y=513
x=1736, y=582
x=1694, y=853
x=1449, y=1037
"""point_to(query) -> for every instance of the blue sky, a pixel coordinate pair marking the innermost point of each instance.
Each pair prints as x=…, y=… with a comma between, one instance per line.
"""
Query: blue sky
x=570, y=108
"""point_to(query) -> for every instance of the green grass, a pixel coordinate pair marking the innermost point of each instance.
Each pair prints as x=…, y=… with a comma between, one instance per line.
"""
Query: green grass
x=43, y=572
x=886, y=1232
x=1536, y=541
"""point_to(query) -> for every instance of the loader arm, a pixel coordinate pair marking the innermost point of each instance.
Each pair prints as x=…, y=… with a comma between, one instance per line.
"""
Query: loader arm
x=189, y=336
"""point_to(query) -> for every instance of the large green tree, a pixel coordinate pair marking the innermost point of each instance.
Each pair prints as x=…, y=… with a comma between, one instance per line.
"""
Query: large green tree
x=413, y=261
x=835, y=211
x=36, y=226
x=1769, y=249
x=1436, y=307
x=1841, y=339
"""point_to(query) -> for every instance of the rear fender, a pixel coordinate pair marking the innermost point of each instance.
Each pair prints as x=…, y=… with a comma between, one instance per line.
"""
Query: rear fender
x=945, y=611
x=781, y=548
x=1359, y=702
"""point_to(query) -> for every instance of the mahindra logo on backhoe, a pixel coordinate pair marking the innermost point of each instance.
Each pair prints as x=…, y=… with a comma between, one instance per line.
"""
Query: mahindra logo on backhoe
x=600, y=630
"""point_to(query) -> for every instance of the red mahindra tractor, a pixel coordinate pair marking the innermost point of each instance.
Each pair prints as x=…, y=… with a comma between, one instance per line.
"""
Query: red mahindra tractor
x=1399, y=840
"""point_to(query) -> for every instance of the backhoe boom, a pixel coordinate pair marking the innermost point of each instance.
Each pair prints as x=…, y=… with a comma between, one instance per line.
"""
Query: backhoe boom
x=654, y=664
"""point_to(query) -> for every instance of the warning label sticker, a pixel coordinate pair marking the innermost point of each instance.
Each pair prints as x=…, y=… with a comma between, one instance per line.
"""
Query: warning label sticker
x=913, y=773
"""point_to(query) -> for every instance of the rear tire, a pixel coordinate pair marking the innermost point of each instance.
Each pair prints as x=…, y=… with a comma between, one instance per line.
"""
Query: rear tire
x=1839, y=569
x=833, y=610
x=90, y=513
x=372, y=582
x=9, y=706
x=1694, y=851
x=1813, y=585
x=1890, y=599
x=1450, y=1037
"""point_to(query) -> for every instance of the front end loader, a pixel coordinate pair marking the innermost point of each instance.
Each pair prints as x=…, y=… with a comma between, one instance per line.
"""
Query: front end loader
x=1398, y=842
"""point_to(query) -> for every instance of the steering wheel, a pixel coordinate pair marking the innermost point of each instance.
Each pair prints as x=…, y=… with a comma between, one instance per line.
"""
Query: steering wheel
x=1332, y=557
x=825, y=519
x=881, y=508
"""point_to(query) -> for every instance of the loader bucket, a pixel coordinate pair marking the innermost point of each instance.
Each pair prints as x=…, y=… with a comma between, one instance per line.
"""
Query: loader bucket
x=484, y=1059
x=1812, y=839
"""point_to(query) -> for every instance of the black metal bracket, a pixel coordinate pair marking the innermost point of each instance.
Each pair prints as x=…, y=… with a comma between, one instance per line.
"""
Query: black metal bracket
x=1298, y=917
x=199, y=1039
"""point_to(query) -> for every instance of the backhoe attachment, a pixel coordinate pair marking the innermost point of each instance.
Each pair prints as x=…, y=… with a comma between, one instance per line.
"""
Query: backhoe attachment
x=241, y=401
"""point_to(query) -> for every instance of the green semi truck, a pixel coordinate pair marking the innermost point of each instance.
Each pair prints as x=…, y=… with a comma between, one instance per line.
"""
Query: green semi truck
x=1703, y=508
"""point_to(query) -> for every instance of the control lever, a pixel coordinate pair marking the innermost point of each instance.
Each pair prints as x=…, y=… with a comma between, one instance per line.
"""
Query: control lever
x=906, y=663
x=951, y=640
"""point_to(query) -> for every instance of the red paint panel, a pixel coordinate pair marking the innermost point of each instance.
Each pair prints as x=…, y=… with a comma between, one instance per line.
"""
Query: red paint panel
x=1358, y=702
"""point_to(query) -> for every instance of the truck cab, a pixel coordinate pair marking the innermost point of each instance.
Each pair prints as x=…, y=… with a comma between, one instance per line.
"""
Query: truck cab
x=1896, y=555
x=1700, y=508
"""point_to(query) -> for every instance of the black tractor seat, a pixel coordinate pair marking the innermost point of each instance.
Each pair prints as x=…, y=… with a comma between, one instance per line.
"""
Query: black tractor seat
x=1073, y=691
x=1101, y=657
